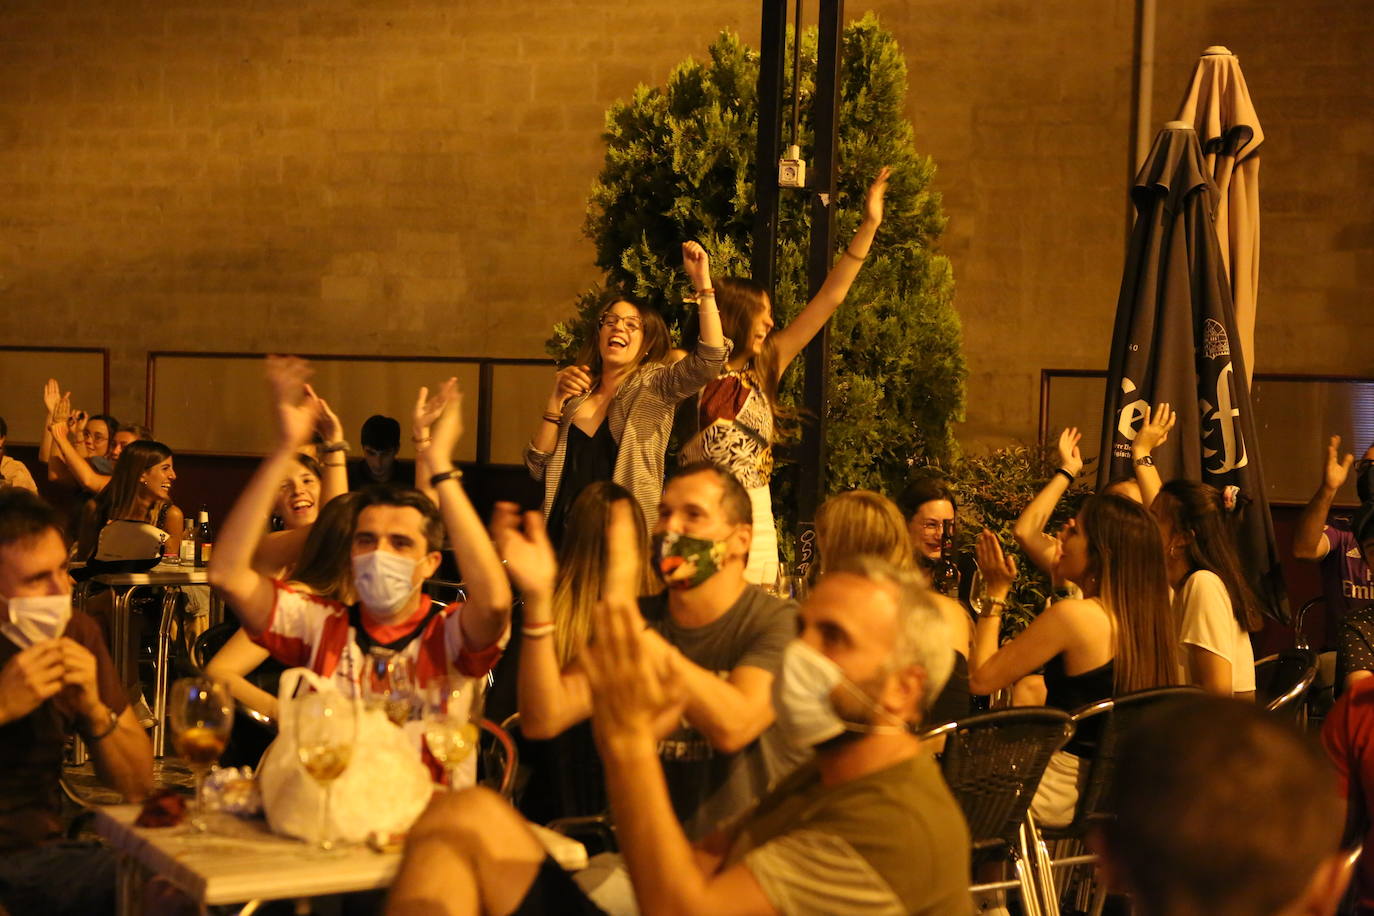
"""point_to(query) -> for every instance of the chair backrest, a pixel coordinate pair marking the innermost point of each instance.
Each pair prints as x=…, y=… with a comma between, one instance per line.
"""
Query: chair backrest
x=1300, y=638
x=1111, y=720
x=498, y=758
x=265, y=676
x=1282, y=680
x=993, y=763
x=211, y=641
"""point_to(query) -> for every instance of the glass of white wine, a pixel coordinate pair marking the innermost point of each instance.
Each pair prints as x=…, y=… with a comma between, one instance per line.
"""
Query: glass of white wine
x=388, y=685
x=202, y=715
x=453, y=721
x=326, y=729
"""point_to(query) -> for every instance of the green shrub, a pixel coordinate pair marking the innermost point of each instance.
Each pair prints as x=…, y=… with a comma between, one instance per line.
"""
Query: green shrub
x=679, y=165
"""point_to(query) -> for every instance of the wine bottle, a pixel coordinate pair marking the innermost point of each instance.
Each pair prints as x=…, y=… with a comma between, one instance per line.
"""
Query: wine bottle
x=188, y=543
x=205, y=538
x=946, y=576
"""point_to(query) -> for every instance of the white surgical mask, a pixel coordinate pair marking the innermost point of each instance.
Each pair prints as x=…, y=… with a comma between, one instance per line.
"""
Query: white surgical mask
x=805, y=714
x=35, y=618
x=384, y=581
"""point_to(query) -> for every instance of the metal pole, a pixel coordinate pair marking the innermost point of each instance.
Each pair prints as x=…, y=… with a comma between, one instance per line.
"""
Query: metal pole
x=772, y=58
x=821, y=183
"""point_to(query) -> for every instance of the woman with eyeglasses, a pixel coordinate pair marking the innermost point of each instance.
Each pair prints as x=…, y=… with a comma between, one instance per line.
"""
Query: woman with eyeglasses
x=738, y=411
x=609, y=415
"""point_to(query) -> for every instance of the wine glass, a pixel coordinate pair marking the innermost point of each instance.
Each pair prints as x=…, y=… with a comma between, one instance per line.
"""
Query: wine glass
x=978, y=592
x=202, y=714
x=388, y=684
x=453, y=719
x=326, y=729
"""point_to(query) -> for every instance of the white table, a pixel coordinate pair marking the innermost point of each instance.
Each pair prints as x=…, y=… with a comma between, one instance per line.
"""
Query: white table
x=242, y=861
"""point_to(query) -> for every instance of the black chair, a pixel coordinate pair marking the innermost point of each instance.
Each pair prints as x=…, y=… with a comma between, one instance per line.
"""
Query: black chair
x=1282, y=682
x=993, y=763
x=1103, y=724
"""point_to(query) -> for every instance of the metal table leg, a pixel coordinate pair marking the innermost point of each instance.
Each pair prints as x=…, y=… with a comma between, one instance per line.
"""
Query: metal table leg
x=164, y=647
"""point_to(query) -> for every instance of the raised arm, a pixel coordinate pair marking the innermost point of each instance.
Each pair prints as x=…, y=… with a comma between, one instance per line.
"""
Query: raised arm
x=335, y=480
x=551, y=700
x=1309, y=535
x=792, y=339
x=703, y=363
x=991, y=668
x=52, y=393
x=1153, y=434
x=486, y=614
x=251, y=594
x=65, y=452
x=1029, y=529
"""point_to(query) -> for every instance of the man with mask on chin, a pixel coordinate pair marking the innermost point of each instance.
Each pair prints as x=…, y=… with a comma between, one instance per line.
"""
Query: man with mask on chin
x=56, y=678
x=395, y=545
x=867, y=826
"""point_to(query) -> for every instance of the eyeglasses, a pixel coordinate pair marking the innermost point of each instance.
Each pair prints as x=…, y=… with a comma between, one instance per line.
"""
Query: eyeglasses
x=612, y=320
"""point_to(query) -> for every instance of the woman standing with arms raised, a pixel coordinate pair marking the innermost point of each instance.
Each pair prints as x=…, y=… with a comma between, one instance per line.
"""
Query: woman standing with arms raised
x=736, y=411
x=608, y=418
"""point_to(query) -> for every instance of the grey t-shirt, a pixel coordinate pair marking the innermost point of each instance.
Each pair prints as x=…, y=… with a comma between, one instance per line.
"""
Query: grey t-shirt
x=708, y=787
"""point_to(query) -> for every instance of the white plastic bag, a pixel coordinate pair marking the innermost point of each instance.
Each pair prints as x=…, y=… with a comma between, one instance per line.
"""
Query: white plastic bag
x=384, y=788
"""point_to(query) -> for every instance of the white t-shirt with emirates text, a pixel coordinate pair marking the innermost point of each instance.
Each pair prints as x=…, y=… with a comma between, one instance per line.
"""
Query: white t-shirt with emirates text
x=1207, y=621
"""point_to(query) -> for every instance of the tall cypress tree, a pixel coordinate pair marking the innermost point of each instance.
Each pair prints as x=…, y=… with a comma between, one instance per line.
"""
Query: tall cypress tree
x=680, y=165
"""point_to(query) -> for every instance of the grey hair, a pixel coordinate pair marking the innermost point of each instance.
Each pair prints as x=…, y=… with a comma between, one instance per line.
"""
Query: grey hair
x=922, y=634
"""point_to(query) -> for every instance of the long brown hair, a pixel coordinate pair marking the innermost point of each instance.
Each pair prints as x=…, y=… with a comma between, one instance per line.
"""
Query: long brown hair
x=862, y=522
x=325, y=565
x=120, y=495
x=656, y=339
x=741, y=302
x=1199, y=514
x=582, y=559
x=1126, y=556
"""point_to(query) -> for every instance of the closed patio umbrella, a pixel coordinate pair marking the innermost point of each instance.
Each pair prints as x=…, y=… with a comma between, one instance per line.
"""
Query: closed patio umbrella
x=1218, y=106
x=1174, y=341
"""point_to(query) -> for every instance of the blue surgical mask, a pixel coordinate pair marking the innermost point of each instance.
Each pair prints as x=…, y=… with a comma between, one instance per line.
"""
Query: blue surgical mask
x=806, y=715
x=384, y=581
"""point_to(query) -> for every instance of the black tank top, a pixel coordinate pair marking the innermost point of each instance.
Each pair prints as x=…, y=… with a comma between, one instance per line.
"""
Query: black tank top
x=1073, y=691
x=954, y=702
x=587, y=460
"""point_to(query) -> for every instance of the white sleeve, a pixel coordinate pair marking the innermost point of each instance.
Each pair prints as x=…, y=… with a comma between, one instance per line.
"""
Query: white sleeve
x=1208, y=620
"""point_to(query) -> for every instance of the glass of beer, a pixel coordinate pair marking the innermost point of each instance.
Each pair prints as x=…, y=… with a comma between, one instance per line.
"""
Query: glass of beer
x=388, y=685
x=202, y=715
x=453, y=721
x=326, y=729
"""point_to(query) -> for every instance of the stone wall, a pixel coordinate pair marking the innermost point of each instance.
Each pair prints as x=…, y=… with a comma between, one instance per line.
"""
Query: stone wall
x=410, y=177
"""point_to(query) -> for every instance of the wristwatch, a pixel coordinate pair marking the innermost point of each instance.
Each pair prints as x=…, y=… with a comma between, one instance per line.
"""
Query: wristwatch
x=111, y=723
x=1144, y=461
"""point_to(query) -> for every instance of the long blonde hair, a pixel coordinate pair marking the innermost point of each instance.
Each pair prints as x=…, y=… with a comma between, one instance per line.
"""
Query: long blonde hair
x=862, y=522
x=582, y=560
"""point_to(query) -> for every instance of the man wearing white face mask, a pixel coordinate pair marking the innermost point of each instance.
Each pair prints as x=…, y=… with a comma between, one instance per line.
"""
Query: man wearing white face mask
x=396, y=542
x=867, y=827
x=56, y=677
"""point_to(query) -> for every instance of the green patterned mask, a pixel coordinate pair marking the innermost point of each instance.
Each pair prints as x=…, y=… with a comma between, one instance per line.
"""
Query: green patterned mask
x=683, y=561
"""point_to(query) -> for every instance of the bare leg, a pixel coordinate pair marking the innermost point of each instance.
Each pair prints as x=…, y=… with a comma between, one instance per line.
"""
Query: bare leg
x=469, y=853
